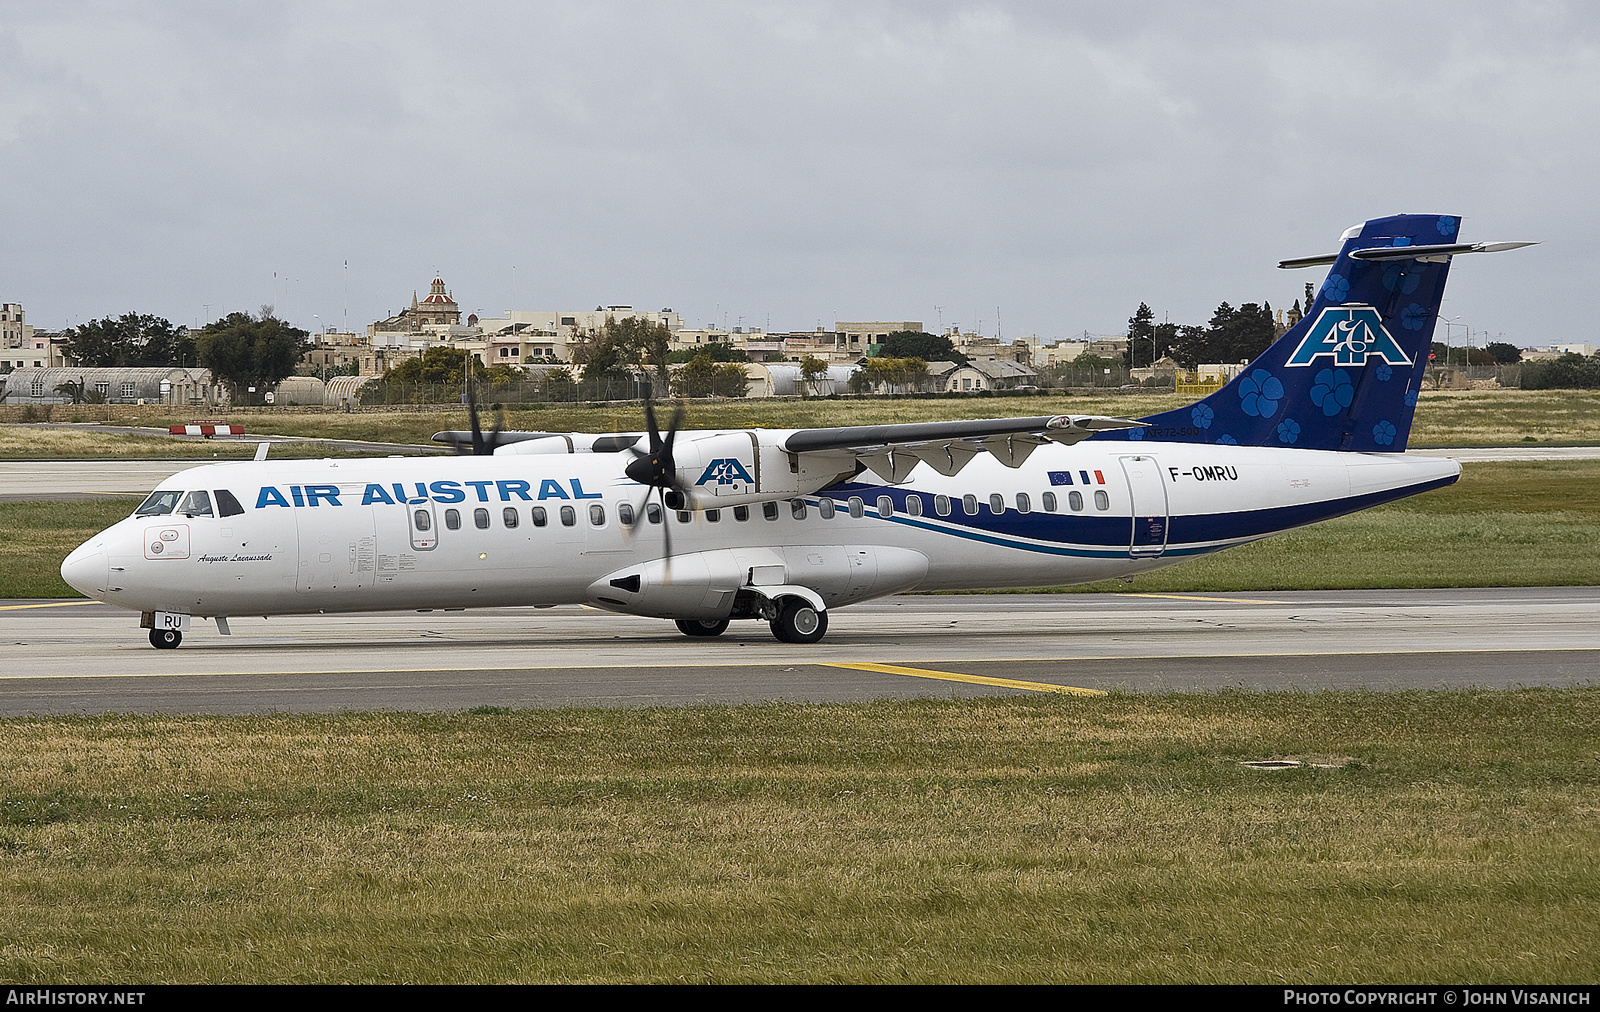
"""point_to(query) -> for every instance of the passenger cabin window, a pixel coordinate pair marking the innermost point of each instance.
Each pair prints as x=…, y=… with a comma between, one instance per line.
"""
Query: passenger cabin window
x=480, y=519
x=196, y=504
x=227, y=505
x=1024, y=505
x=997, y=504
x=569, y=516
x=684, y=516
x=969, y=505
x=941, y=505
x=509, y=516
x=858, y=508
x=797, y=508
x=422, y=519
x=825, y=507
x=713, y=516
x=741, y=513
x=625, y=514
x=1075, y=500
x=452, y=520
x=914, y=505
x=540, y=517
x=885, y=506
x=652, y=513
x=1049, y=502
x=1101, y=500
x=597, y=514
x=769, y=509
x=158, y=504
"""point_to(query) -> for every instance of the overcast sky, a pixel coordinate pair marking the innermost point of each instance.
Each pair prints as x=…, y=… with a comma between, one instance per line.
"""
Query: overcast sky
x=781, y=165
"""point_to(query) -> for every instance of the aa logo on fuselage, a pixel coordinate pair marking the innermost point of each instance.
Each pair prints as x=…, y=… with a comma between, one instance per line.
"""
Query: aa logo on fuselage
x=725, y=471
x=1349, y=335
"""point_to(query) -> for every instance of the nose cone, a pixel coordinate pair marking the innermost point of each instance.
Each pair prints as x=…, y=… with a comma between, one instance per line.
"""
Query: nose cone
x=86, y=569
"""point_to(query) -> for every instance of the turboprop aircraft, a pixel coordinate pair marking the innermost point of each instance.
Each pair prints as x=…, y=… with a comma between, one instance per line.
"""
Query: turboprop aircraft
x=786, y=525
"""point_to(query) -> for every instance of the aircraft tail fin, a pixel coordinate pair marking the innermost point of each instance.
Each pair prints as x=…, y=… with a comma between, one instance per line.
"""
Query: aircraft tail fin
x=1345, y=377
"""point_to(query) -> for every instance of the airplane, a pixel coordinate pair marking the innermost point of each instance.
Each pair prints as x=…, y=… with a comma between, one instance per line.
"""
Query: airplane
x=705, y=527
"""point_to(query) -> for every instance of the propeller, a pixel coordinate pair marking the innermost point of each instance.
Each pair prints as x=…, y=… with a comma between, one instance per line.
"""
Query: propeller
x=481, y=445
x=656, y=469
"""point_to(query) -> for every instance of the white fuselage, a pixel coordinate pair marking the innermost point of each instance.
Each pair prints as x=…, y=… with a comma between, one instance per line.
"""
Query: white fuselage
x=459, y=532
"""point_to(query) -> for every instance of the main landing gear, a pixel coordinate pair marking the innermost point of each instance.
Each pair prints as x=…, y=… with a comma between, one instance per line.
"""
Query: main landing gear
x=792, y=619
x=797, y=622
x=165, y=639
x=695, y=627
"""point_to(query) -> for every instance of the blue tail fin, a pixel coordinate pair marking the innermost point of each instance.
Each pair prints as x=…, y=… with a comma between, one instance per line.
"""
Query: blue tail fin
x=1346, y=376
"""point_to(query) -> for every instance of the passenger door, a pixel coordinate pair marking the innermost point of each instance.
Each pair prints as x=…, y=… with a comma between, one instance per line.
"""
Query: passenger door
x=1148, y=538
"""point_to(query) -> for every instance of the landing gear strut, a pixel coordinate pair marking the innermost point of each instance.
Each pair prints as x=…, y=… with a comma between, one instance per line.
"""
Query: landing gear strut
x=798, y=622
x=165, y=639
x=695, y=627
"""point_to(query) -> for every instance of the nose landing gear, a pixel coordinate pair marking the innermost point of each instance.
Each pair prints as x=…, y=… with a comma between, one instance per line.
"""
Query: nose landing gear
x=165, y=639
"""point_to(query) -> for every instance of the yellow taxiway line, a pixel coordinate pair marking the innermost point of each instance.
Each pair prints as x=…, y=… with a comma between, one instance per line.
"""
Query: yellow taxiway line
x=952, y=676
x=53, y=604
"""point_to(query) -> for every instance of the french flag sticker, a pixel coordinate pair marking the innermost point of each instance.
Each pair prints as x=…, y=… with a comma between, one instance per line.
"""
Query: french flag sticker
x=1065, y=478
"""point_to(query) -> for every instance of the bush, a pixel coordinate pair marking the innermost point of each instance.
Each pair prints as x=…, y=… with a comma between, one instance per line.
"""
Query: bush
x=1569, y=372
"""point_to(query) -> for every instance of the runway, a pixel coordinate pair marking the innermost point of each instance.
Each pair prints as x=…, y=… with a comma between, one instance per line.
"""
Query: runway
x=74, y=657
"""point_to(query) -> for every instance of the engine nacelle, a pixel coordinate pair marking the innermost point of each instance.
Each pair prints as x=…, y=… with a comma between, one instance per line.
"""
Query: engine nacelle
x=731, y=468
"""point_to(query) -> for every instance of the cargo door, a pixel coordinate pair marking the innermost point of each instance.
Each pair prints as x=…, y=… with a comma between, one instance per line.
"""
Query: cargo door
x=338, y=547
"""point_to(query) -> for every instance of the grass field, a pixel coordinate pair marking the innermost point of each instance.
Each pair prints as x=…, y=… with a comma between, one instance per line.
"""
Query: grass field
x=1506, y=524
x=1446, y=836
x=1444, y=418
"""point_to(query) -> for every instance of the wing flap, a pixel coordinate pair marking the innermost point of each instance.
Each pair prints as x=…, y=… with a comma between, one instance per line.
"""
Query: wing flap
x=891, y=451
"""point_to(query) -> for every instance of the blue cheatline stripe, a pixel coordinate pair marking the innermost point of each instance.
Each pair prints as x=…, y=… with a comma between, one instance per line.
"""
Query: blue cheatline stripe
x=1206, y=532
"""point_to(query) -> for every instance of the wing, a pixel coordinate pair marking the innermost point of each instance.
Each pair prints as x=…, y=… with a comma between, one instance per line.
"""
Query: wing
x=891, y=451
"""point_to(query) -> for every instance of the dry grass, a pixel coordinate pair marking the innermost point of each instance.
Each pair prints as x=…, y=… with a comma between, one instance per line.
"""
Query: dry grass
x=1444, y=418
x=999, y=840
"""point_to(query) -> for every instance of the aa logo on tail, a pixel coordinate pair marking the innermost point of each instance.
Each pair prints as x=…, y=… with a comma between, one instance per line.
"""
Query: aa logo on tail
x=1349, y=335
x=725, y=471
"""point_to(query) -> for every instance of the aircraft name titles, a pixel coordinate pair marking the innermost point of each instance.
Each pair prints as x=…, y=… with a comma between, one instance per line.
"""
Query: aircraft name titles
x=396, y=493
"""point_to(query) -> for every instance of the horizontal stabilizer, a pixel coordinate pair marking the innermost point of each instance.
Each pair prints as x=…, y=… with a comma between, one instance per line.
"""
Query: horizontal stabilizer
x=1436, y=253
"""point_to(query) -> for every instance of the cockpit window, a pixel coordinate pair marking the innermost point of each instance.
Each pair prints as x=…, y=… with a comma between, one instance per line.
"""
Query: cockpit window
x=227, y=505
x=196, y=504
x=159, y=504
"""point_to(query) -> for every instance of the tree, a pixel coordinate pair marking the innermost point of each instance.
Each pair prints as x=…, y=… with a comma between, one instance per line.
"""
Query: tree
x=720, y=351
x=1234, y=335
x=559, y=385
x=1504, y=354
x=705, y=377
x=132, y=339
x=920, y=344
x=625, y=344
x=894, y=375
x=78, y=391
x=247, y=352
x=1141, y=338
x=812, y=371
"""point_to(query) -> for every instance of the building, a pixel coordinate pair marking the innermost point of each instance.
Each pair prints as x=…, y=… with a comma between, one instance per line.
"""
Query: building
x=988, y=374
x=853, y=340
x=22, y=347
x=116, y=385
x=438, y=310
x=332, y=353
x=547, y=335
